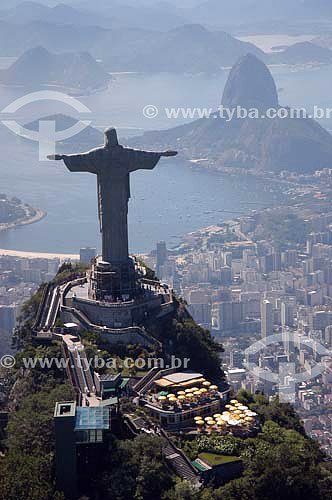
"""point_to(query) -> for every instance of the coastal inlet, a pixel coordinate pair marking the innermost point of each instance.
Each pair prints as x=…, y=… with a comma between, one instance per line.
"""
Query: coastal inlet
x=15, y=213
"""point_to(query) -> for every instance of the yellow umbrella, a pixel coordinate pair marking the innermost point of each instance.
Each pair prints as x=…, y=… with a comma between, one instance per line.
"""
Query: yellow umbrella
x=207, y=384
x=170, y=396
x=217, y=415
x=162, y=398
x=226, y=413
x=238, y=412
x=228, y=406
x=249, y=419
x=197, y=393
x=187, y=391
x=242, y=415
x=181, y=398
x=211, y=422
x=189, y=395
x=203, y=390
x=221, y=423
x=234, y=401
x=181, y=393
x=195, y=389
x=214, y=387
x=200, y=423
x=208, y=418
x=198, y=418
x=232, y=408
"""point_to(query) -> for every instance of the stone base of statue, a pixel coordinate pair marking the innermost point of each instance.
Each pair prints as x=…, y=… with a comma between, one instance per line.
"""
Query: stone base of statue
x=112, y=281
x=117, y=302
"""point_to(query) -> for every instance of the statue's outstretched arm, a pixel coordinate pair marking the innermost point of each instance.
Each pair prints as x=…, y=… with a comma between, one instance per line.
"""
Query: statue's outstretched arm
x=55, y=157
x=77, y=162
x=169, y=153
x=145, y=160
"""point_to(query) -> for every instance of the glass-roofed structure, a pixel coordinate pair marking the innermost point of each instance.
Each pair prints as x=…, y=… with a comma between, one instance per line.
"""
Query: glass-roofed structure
x=90, y=424
x=76, y=428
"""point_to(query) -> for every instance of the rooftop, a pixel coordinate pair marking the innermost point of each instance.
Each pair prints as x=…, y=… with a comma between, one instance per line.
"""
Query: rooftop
x=95, y=418
x=180, y=378
x=65, y=409
x=213, y=459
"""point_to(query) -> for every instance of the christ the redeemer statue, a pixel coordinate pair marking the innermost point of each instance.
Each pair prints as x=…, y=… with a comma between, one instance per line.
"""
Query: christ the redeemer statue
x=112, y=164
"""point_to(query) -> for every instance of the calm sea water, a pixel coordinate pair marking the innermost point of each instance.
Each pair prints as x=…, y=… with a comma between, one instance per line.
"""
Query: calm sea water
x=167, y=202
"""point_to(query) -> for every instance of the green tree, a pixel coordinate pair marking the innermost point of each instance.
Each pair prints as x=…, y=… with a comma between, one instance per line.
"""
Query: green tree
x=141, y=462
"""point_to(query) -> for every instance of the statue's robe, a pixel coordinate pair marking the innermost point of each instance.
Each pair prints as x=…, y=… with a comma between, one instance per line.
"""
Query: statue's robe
x=113, y=165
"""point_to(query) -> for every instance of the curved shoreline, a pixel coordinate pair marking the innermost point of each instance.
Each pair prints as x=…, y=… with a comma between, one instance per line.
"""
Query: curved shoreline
x=38, y=216
x=22, y=254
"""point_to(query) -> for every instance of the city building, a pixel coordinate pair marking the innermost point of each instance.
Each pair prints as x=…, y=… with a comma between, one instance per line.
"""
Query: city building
x=266, y=318
x=87, y=254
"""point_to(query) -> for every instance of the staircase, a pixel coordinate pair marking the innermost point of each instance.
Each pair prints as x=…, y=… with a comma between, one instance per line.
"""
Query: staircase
x=143, y=384
x=181, y=465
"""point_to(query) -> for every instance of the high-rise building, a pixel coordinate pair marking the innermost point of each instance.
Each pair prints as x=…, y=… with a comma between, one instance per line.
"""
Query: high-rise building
x=228, y=259
x=161, y=256
x=287, y=314
x=288, y=340
x=266, y=318
x=201, y=312
x=8, y=314
x=87, y=254
x=226, y=315
x=236, y=359
x=8, y=318
x=328, y=335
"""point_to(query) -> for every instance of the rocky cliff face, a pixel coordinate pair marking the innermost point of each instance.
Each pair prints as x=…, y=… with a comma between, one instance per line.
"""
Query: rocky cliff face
x=250, y=85
x=294, y=144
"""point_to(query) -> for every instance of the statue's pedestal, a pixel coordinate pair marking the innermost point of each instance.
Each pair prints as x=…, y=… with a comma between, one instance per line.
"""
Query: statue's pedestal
x=117, y=310
x=112, y=281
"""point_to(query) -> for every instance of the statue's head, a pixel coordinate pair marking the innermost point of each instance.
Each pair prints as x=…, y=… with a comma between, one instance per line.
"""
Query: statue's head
x=111, y=137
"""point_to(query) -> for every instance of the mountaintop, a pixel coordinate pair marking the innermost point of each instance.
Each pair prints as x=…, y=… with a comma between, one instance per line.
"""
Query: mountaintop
x=258, y=143
x=72, y=70
x=250, y=85
x=89, y=137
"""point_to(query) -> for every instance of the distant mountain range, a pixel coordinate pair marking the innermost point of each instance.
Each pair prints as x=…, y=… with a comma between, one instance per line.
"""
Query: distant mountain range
x=190, y=48
x=217, y=12
x=294, y=144
x=88, y=138
x=324, y=41
x=165, y=15
x=139, y=39
x=77, y=71
x=112, y=14
x=302, y=53
x=14, y=41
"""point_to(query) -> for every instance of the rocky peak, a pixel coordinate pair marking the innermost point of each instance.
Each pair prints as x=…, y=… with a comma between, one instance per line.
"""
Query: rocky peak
x=250, y=85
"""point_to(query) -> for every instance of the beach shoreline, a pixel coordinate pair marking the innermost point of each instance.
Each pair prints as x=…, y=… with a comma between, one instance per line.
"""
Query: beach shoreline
x=37, y=255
